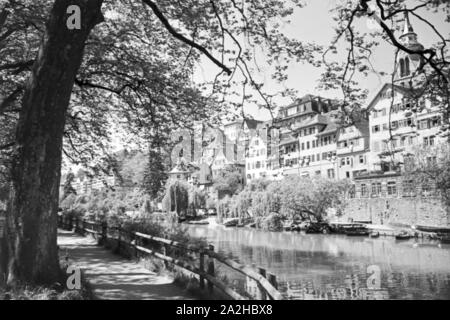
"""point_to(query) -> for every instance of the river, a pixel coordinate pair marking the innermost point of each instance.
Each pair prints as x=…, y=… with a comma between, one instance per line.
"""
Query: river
x=310, y=266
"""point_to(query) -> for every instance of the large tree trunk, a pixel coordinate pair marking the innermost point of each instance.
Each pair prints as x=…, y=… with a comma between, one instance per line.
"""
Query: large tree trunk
x=32, y=229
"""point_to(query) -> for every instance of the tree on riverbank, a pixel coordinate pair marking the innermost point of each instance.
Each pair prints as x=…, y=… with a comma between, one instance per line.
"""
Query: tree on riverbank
x=176, y=198
x=427, y=166
x=309, y=198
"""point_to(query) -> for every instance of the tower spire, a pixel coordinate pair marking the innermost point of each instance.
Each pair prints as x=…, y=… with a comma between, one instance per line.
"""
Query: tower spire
x=407, y=29
x=409, y=37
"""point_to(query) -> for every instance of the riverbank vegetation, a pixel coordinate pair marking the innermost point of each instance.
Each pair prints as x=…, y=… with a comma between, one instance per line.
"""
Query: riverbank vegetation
x=267, y=203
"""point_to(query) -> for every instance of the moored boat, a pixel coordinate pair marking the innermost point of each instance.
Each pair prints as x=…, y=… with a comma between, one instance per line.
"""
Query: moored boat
x=404, y=235
x=231, y=222
x=374, y=234
x=358, y=232
x=201, y=222
x=444, y=238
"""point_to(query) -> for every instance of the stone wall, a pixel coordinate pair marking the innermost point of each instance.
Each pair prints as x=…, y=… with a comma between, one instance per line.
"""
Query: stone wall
x=428, y=211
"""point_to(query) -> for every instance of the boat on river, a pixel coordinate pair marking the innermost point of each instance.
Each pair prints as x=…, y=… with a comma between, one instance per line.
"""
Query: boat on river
x=444, y=238
x=403, y=235
x=358, y=232
x=201, y=222
x=374, y=234
x=233, y=222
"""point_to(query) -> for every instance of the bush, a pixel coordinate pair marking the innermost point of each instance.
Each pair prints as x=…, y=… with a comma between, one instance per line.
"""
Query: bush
x=273, y=222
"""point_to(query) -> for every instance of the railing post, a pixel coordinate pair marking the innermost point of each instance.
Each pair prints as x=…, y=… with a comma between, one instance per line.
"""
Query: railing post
x=83, y=226
x=261, y=290
x=272, y=280
x=104, y=226
x=211, y=269
x=202, y=268
x=136, y=243
x=119, y=237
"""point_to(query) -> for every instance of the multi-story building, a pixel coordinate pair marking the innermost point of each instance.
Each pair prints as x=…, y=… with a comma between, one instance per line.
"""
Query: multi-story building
x=317, y=146
x=256, y=159
x=399, y=120
x=352, y=149
x=306, y=135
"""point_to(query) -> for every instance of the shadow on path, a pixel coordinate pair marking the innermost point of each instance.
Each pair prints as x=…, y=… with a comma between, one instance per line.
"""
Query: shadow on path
x=113, y=277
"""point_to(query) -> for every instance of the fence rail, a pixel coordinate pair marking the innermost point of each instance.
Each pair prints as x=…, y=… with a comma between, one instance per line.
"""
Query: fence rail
x=264, y=284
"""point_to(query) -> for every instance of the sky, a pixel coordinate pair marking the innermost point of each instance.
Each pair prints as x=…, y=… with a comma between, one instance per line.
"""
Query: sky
x=314, y=23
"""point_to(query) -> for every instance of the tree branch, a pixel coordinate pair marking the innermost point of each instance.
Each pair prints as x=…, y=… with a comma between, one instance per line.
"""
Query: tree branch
x=182, y=38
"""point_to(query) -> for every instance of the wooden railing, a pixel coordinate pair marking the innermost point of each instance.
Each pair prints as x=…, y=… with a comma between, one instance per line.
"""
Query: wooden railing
x=260, y=285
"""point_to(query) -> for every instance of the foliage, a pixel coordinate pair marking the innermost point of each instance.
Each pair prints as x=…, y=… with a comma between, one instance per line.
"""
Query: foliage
x=131, y=168
x=68, y=188
x=176, y=198
x=273, y=222
x=155, y=175
x=229, y=181
x=430, y=165
x=308, y=197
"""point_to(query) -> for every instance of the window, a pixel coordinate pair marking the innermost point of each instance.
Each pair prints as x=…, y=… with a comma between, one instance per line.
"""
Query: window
x=435, y=122
x=409, y=189
x=376, y=129
x=423, y=124
x=361, y=159
x=402, y=68
x=330, y=173
x=364, y=190
x=376, y=189
x=385, y=127
x=392, y=188
x=383, y=111
x=348, y=161
x=407, y=71
x=307, y=145
x=343, y=162
x=318, y=157
x=431, y=140
x=303, y=146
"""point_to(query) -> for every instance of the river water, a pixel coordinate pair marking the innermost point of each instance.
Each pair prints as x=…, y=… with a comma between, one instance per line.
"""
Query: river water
x=310, y=266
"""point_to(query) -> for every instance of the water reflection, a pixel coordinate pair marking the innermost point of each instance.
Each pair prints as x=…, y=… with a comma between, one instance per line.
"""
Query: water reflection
x=335, y=266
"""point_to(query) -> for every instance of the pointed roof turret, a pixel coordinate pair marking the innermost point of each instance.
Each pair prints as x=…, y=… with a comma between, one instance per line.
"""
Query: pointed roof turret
x=407, y=28
x=409, y=37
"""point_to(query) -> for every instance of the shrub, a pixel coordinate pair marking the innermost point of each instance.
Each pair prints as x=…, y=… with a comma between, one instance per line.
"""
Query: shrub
x=273, y=222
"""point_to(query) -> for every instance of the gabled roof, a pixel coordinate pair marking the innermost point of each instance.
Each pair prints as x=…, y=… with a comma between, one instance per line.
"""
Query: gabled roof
x=386, y=86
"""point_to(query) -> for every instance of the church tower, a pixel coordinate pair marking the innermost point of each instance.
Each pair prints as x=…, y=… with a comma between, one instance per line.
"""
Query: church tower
x=407, y=64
